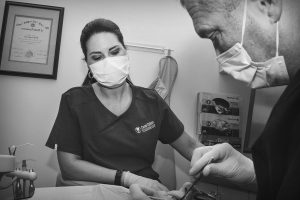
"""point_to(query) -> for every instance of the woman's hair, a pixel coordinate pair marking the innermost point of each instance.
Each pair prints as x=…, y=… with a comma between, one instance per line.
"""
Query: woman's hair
x=97, y=26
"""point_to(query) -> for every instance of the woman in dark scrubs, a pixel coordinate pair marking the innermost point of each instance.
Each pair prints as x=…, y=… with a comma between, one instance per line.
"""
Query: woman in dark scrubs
x=106, y=131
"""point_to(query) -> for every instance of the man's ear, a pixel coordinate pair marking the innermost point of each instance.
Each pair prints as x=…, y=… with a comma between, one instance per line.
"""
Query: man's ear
x=272, y=7
x=275, y=10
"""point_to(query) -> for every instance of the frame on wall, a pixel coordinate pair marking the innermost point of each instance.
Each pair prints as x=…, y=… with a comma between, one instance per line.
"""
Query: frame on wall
x=261, y=104
x=30, y=40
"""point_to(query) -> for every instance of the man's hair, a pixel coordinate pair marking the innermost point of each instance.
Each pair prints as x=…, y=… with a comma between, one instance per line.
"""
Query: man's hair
x=230, y=5
x=182, y=3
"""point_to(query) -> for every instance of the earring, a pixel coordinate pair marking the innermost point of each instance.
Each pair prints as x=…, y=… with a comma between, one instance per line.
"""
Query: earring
x=90, y=75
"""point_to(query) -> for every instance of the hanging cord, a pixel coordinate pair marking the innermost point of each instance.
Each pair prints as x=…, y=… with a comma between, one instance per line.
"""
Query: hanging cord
x=169, y=51
x=10, y=184
x=277, y=38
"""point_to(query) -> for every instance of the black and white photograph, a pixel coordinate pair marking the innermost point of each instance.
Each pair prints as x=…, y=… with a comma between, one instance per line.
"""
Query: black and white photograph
x=149, y=99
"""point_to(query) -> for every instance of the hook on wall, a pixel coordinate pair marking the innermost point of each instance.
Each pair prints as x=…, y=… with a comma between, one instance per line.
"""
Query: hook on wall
x=169, y=51
x=149, y=48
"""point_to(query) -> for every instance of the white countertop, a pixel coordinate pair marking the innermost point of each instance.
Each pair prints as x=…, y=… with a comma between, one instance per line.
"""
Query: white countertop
x=91, y=192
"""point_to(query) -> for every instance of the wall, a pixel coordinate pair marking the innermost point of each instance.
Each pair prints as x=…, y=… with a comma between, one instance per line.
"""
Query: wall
x=28, y=106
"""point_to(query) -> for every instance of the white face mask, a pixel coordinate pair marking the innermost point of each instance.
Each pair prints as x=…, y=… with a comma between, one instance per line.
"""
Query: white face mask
x=111, y=71
x=237, y=63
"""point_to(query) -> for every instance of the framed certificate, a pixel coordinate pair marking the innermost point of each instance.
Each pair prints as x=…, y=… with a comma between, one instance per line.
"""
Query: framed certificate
x=30, y=40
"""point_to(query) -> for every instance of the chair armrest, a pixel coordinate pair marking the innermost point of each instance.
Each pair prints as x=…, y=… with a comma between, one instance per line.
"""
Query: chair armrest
x=63, y=182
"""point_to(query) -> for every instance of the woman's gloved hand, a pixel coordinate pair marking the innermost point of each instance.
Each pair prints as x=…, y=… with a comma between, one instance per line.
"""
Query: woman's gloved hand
x=178, y=194
x=130, y=178
x=226, y=163
x=138, y=192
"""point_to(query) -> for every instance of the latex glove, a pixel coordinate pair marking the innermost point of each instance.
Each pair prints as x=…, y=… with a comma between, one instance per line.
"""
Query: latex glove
x=130, y=178
x=178, y=194
x=226, y=163
x=138, y=192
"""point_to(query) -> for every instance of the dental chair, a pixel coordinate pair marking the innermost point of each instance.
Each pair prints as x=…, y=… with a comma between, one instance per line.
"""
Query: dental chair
x=62, y=182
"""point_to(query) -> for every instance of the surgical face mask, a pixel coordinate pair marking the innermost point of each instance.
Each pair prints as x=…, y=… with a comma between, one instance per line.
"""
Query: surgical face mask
x=237, y=63
x=111, y=71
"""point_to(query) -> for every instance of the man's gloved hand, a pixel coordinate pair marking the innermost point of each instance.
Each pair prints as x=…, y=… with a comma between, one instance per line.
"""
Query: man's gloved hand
x=226, y=163
x=130, y=178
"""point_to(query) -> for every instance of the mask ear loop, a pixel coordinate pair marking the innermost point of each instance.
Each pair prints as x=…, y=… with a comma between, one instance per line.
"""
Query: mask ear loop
x=244, y=21
x=277, y=38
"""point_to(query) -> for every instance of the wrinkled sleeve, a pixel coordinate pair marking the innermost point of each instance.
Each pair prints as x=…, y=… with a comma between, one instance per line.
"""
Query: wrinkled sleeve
x=171, y=127
x=66, y=131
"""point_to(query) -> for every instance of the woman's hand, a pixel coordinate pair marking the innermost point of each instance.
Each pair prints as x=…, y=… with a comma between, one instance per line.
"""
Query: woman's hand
x=138, y=192
x=178, y=194
x=141, y=193
x=130, y=178
x=227, y=163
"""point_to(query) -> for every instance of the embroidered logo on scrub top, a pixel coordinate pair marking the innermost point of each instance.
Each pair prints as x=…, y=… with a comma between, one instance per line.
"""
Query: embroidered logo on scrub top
x=145, y=128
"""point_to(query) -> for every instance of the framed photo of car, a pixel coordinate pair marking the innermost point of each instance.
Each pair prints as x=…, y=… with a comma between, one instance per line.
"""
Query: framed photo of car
x=30, y=40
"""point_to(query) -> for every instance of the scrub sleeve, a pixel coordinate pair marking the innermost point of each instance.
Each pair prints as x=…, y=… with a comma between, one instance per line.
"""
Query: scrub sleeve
x=66, y=131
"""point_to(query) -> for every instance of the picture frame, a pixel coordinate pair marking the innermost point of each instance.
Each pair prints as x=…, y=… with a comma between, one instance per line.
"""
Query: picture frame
x=261, y=105
x=30, y=40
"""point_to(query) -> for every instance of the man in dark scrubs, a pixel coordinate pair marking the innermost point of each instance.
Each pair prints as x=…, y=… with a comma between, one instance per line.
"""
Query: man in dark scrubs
x=251, y=46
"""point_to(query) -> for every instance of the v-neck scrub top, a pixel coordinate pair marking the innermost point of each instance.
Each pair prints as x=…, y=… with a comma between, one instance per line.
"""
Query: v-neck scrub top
x=85, y=127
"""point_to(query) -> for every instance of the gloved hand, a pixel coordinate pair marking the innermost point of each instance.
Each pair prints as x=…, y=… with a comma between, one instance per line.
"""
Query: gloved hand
x=178, y=194
x=226, y=163
x=130, y=178
x=138, y=192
